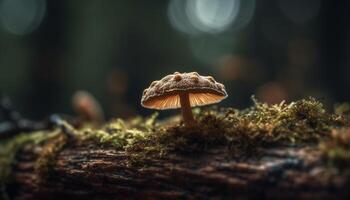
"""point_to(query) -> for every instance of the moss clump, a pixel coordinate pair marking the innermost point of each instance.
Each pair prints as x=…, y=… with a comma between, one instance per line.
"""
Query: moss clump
x=245, y=131
x=122, y=134
x=9, y=148
x=336, y=149
x=343, y=113
x=48, y=155
x=301, y=121
x=239, y=131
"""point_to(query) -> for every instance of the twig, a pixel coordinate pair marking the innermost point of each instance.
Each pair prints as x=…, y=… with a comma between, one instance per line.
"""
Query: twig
x=13, y=123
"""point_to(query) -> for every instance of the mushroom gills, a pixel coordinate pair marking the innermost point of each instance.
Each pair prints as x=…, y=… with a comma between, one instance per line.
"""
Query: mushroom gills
x=196, y=99
x=165, y=103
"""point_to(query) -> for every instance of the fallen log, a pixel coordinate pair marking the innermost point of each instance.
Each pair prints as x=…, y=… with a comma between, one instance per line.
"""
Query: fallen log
x=295, y=151
x=87, y=171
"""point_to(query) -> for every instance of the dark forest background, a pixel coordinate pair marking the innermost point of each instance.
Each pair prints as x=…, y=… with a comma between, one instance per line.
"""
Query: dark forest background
x=277, y=50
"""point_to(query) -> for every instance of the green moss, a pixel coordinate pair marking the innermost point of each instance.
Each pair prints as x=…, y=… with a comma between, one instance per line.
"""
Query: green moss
x=343, y=113
x=48, y=155
x=301, y=121
x=336, y=149
x=122, y=134
x=241, y=132
x=9, y=148
x=342, y=109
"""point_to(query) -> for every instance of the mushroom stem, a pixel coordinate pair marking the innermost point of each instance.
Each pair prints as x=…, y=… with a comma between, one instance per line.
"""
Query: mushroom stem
x=186, y=109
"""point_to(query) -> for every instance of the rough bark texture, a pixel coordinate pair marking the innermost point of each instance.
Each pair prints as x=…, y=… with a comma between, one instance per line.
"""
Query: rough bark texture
x=89, y=171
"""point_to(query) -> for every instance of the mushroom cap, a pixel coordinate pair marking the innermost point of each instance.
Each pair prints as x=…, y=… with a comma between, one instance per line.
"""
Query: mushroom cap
x=87, y=106
x=164, y=94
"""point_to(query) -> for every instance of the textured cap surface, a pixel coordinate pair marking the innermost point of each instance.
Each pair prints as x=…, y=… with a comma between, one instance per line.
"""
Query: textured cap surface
x=164, y=94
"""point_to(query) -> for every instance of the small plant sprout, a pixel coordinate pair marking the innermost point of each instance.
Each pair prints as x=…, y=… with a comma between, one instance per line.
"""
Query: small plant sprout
x=183, y=90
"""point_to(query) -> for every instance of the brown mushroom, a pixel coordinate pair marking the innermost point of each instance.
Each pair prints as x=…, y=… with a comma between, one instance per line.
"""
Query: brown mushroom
x=183, y=90
x=87, y=107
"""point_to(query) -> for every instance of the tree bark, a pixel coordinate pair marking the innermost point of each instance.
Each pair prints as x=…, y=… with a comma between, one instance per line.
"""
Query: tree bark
x=89, y=171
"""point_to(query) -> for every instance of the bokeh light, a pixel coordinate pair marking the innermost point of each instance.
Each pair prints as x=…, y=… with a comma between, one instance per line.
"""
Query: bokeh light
x=117, y=82
x=208, y=49
x=113, y=49
x=212, y=16
x=214, y=27
x=272, y=92
x=21, y=17
x=241, y=68
x=205, y=16
x=178, y=17
x=302, y=52
x=233, y=67
x=244, y=15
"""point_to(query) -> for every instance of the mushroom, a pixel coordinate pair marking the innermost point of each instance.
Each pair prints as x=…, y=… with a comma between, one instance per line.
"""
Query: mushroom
x=183, y=90
x=87, y=107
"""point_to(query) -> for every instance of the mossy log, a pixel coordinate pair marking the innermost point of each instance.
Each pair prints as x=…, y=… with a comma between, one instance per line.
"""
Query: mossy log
x=283, y=151
x=87, y=171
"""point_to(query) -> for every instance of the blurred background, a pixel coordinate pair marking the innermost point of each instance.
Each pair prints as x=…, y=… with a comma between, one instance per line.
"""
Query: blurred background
x=277, y=49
